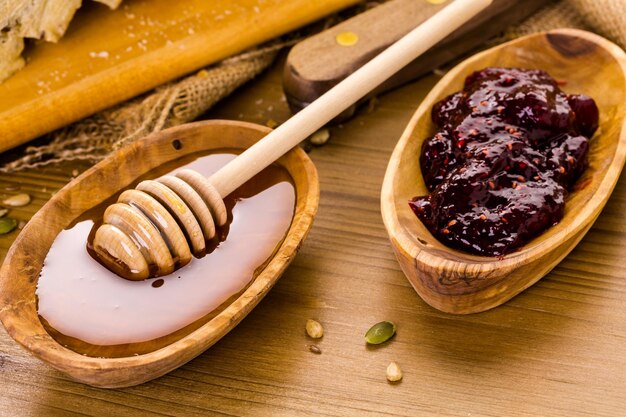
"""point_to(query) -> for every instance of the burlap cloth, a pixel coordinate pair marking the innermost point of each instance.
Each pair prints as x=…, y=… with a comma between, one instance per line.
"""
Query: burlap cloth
x=184, y=100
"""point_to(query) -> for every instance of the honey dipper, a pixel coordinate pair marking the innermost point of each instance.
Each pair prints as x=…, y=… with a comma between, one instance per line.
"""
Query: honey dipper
x=157, y=227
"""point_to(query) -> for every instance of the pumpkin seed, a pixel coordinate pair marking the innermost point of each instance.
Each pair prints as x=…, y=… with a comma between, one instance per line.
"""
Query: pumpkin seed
x=380, y=333
x=394, y=373
x=7, y=224
x=17, y=200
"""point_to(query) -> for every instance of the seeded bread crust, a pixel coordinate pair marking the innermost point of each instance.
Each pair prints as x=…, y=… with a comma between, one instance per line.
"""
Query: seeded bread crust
x=36, y=19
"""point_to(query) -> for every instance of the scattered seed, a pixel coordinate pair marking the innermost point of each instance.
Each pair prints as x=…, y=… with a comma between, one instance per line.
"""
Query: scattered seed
x=380, y=332
x=452, y=223
x=314, y=329
x=17, y=200
x=271, y=123
x=315, y=349
x=7, y=225
x=394, y=373
x=445, y=231
x=371, y=104
x=3, y=212
x=21, y=224
x=482, y=217
x=75, y=173
x=320, y=137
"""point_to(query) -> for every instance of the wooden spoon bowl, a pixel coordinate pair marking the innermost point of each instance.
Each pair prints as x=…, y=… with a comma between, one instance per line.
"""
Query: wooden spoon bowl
x=21, y=268
x=457, y=282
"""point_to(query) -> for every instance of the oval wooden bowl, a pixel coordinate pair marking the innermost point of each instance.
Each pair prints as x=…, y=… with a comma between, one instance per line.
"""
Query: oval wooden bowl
x=20, y=271
x=456, y=282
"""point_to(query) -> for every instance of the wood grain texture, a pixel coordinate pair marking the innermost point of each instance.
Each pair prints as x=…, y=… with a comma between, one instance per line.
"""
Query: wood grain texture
x=107, y=57
x=457, y=282
x=23, y=263
x=305, y=79
x=557, y=349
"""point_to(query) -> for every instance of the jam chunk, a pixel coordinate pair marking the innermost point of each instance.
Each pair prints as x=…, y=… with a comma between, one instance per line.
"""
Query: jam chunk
x=508, y=149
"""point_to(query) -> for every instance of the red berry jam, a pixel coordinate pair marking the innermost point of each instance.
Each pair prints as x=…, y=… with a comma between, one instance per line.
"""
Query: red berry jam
x=508, y=149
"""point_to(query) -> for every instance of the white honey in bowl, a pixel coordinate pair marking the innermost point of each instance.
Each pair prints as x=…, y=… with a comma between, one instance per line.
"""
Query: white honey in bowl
x=88, y=308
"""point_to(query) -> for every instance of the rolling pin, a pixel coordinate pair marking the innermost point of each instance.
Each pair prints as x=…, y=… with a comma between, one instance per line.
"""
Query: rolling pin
x=319, y=62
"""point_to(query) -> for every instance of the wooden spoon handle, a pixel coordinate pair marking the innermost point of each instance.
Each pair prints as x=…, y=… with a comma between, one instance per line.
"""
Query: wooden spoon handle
x=344, y=94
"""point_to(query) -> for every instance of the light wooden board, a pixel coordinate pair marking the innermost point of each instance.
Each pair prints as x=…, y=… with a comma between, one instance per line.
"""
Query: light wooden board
x=557, y=349
x=109, y=56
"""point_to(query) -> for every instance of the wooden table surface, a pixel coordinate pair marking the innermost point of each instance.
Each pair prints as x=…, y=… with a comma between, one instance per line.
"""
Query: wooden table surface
x=558, y=349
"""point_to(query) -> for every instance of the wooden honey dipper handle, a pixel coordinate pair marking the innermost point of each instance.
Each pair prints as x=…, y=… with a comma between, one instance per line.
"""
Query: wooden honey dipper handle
x=140, y=238
x=344, y=94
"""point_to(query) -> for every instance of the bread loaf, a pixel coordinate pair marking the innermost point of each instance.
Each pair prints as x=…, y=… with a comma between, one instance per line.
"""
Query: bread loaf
x=36, y=19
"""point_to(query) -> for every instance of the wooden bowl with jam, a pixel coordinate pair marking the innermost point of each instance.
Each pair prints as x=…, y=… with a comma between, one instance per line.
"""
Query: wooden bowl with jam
x=456, y=281
x=110, y=354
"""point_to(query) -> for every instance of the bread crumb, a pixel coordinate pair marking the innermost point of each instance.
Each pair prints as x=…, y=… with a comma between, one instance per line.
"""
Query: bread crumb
x=101, y=54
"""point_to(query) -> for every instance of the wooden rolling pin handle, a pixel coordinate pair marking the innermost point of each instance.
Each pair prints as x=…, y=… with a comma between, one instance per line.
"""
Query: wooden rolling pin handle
x=344, y=94
x=308, y=74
